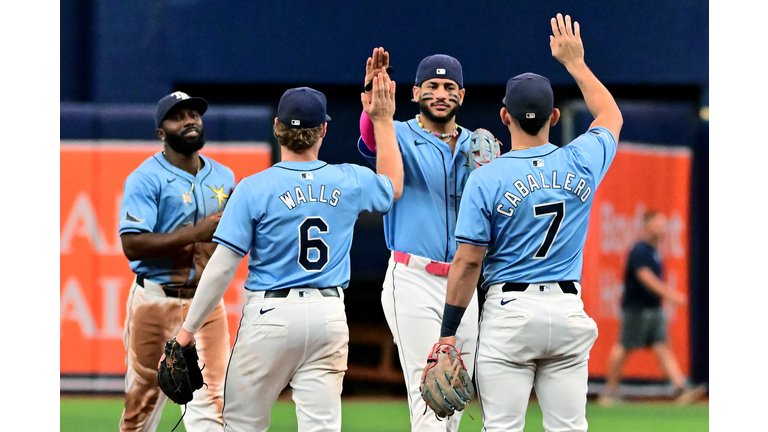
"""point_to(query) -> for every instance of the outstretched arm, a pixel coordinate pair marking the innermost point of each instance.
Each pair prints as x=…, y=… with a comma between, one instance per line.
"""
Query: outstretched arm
x=568, y=49
x=379, y=106
x=378, y=60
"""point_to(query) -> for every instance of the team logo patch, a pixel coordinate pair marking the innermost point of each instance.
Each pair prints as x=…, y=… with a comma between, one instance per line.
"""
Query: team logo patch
x=131, y=218
x=544, y=288
x=180, y=95
x=219, y=195
x=530, y=115
x=307, y=176
x=440, y=71
x=295, y=122
x=303, y=293
x=537, y=163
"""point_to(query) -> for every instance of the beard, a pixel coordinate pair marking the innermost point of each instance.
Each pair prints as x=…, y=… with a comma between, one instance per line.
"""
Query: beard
x=184, y=146
x=426, y=112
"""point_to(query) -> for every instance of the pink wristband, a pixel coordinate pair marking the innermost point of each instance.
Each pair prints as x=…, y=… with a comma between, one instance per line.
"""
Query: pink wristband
x=366, y=132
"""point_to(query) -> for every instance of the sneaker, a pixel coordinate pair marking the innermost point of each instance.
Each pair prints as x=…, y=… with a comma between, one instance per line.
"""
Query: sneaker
x=690, y=395
x=607, y=401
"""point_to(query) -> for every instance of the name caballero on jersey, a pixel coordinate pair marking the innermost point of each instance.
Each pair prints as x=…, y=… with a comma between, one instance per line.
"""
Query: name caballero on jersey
x=302, y=198
x=530, y=184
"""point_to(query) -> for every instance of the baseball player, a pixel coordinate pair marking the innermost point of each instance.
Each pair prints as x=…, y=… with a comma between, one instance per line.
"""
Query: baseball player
x=296, y=221
x=171, y=206
x=523, y=222
x=419, y=230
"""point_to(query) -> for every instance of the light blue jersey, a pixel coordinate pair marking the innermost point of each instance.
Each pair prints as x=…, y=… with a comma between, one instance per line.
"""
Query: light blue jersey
x=423, y=220
x=297, y=218
x=531, y=209
x=161, y=198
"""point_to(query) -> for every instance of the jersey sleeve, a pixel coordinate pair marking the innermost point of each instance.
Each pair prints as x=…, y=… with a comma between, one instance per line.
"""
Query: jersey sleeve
x=598, y=146
x=473, y=224
x=366, y=152
x=235, y=229
x=377, y=193
x=138, y=211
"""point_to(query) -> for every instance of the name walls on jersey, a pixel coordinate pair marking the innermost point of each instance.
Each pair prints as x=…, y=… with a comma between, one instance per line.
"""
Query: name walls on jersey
x=530, y=184
x=302, y=198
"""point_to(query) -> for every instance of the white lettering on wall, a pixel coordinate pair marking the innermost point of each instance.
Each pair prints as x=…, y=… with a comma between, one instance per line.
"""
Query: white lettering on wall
x=82, y=222
x=74, y=307
x=112, y=325
x=619, y=232
x=611, y=289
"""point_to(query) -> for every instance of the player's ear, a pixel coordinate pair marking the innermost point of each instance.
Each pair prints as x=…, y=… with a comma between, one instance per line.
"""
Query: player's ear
x=555, y=117
x=461, y=96
x=504, y=116
x=416, y=93
x=325, y=130
x=160, y=134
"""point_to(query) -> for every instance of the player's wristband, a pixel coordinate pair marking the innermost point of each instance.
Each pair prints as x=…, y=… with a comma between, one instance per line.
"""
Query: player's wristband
x=368, y=87
x=451, y=319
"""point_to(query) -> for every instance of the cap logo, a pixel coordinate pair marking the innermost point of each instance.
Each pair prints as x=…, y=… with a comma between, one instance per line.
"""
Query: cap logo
x=530, y=115
x=440, y=71
x=180, y=95
x=296, y=122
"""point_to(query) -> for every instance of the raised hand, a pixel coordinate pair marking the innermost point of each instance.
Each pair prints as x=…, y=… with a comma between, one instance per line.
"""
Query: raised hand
x=565, y=41
x=378, y=60
x=380, y=104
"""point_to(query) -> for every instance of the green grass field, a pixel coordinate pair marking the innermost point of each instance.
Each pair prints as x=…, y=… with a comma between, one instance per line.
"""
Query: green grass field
x=92, y=414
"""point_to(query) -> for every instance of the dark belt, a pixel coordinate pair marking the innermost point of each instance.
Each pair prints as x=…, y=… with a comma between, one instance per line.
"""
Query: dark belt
x=283, y=293
x=175, y=292
x=568, y=287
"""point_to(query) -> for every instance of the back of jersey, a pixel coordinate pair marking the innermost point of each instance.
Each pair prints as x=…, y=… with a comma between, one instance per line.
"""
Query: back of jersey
x=297, y=218
x=535, y=207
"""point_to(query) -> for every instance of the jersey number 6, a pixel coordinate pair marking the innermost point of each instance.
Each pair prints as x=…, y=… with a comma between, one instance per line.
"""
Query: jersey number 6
x=557, y=209
x=313, y=251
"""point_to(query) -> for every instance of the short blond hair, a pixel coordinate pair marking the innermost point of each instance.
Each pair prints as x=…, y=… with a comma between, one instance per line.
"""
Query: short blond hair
x=297, y=140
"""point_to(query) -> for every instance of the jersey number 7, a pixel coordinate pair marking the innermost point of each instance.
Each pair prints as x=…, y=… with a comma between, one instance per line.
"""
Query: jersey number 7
x=558, y=210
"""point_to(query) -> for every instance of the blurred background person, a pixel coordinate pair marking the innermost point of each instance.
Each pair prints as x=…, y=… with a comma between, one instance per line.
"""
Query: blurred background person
x=643, y=322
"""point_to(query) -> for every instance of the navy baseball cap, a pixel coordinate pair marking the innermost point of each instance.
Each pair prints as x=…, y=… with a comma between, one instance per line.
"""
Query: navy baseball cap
x=529, y=96
x=302, y=108
x=176, y=101
x=440, y=66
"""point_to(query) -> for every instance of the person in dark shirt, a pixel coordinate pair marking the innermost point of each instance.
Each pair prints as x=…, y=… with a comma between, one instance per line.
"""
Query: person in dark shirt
x=643, y=321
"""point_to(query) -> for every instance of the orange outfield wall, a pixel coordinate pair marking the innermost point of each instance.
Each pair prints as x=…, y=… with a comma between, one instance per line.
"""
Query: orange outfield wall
x=95, y=277
x=642, y=177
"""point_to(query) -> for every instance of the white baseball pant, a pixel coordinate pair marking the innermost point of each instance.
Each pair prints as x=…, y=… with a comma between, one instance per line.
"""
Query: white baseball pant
x=540, y=339
x=300, y=340
x=413, y=302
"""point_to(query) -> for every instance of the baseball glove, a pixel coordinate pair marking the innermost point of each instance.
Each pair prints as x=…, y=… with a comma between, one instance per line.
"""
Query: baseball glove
x=484, y=147
x=446, y=386
x=179, y=374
